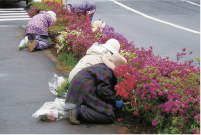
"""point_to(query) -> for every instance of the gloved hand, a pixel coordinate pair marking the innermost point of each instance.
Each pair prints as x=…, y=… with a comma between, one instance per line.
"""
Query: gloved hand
x=119, y=104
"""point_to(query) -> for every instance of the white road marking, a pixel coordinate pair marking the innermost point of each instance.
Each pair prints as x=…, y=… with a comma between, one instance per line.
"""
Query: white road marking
x=15, y=19
x=12, y=9
x=12, y=16
x=9, y=26
x=155, y=19
x=15, y=14
x=190, y=2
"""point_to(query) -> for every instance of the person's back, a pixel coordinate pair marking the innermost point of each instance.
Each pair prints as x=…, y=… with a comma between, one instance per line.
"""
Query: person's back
x=93, y=55
x=89, y=82
x=40, y=23
x=91, y=94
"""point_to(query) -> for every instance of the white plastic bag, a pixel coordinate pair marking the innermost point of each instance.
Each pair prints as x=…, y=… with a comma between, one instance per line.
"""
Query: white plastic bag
x=57, y=81
x=23, y=43
x=52, y=111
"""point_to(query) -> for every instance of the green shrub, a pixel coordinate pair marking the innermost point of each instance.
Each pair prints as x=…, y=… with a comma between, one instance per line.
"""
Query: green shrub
x=68, y=60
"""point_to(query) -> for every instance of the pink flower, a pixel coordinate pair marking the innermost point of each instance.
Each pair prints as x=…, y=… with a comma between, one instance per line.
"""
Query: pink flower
x=119, y=119
x=135, y=113
x=166, y=92
x=160, y=94
x=194, y=131
x=154, y=122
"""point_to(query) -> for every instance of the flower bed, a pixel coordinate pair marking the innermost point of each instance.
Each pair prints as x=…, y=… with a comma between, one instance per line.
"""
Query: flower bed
x=160, y=92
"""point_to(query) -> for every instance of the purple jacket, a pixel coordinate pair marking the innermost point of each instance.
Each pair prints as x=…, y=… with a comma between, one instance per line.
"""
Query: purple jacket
x=40, y=23
x=85, y=6
x=109, y=30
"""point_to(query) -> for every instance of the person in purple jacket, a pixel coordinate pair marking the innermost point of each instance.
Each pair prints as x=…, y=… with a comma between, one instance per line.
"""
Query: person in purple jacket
x=87, y=6
x=107, y=30
x=37, y=31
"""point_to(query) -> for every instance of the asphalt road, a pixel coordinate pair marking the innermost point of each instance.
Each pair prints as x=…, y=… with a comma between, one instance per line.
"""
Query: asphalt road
x=166, y=25
x=155, y=23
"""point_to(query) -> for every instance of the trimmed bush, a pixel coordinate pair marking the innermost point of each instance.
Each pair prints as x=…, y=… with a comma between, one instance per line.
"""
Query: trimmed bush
x=161, y=92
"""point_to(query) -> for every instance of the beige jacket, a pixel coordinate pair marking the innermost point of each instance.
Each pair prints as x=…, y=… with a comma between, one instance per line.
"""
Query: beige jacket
x=92, y=57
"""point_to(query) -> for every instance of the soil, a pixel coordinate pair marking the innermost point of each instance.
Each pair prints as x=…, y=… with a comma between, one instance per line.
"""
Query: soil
x=133, y=125
x=53, y=50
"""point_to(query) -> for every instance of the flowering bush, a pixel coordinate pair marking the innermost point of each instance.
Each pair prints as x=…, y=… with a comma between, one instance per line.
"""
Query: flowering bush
x=165, y=93
x=161, y=92
x=38, y=6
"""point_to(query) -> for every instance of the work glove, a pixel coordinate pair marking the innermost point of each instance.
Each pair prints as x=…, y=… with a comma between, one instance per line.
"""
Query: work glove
x=119, y=104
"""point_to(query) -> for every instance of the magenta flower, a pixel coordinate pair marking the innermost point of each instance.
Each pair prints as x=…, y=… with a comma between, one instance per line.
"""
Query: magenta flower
x=154, y=122
x=160, y=94
x=184, y=49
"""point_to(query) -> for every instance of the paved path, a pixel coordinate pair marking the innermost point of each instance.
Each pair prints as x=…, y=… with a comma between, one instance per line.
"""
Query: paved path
x=24, y=78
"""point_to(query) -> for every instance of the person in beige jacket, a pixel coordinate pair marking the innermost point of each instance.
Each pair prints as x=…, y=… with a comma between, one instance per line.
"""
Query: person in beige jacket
x=93, y=55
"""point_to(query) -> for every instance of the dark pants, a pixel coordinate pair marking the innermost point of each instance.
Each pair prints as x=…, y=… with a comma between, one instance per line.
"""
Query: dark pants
x=42, y=41
x=89, y=115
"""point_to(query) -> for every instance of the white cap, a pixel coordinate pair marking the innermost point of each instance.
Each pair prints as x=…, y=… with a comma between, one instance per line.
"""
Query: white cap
x=52, y=14
x=112, y=45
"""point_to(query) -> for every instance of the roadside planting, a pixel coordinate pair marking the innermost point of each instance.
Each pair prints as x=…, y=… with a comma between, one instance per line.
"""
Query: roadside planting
x=163, y=93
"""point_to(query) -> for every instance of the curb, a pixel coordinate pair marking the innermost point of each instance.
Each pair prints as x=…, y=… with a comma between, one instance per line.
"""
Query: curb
x=56, y=62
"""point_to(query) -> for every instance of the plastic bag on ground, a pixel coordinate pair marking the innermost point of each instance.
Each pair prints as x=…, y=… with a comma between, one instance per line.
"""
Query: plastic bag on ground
x=23, y=43
x=52, y=111
x=54, y=83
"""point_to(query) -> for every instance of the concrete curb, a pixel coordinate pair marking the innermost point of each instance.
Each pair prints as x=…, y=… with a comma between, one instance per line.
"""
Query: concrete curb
x=56, y=62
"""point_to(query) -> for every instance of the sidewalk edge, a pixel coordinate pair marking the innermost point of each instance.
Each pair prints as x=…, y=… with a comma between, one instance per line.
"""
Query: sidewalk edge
x=54, y=59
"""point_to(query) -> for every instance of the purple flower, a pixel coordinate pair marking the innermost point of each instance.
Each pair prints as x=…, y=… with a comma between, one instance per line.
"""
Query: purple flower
x=195, y=93
x=142, y=97
x=194, y=131
x=153, y=122
x=160, y=94
x=169, y=97
x=166, y=92
x=195, y=117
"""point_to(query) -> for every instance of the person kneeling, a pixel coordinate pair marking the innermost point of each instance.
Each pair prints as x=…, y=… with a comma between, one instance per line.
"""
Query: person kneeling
x=91, y=96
